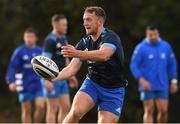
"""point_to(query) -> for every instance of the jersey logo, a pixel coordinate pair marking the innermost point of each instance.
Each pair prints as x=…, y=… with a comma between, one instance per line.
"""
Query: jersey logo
x=25, y=57
x=58, y=45
x=118, y=110
x=151, y=56
x=34, y=54
x=163, y=56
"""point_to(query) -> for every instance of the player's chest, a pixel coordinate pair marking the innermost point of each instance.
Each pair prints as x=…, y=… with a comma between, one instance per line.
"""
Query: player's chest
x=28, y=55
x=93, y=45
x=155, y=53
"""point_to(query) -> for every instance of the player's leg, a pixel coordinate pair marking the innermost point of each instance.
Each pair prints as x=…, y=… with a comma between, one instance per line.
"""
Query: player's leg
x=52, y=109
x=84, y=101
x=107, y=117
x=26, y=108
x=148, y=111
x=39, y=109
x=81, y=105
x=64, y=107
x=148, y=102
x=162, y=106
x=64, y=100
x=52, y=102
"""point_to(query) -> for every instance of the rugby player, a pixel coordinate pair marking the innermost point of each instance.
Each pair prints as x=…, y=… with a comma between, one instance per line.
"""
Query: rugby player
x=153, y=65
x=105, y=82
x=27, y=84
x=58, y=99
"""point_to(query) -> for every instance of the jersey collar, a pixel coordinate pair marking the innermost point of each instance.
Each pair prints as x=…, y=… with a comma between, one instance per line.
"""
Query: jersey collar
x=147, y=40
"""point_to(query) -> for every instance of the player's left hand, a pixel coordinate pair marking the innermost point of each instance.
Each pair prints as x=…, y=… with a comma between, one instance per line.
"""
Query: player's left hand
x=173, y=88
x=73, y=82
x=69, y=51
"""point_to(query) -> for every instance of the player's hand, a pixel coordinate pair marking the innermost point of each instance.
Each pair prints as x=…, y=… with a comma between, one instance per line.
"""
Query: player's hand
x=49, y=85
x=69, y=51
x=173, y=88
x=12, y=87
x=145, y=84
x=73, y=82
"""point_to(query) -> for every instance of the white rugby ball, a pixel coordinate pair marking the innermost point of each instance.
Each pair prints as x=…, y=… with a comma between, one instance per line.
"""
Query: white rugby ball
x=45, y=67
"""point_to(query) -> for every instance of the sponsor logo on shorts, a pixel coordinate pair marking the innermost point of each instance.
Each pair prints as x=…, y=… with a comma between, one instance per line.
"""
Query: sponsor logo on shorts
x=118, y=110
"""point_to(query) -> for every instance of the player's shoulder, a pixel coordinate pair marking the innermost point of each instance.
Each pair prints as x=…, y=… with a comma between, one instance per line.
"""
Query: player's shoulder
x=85, y=39
x=107, y=33
x=38, y=47
x=51, y=37
x=164, y=43
x=141, y=45
x=19, y=49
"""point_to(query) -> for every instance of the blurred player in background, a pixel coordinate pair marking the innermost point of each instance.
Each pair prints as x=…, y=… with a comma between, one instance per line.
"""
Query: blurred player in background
x=28, y=84
x=153, y=64
x=105, y=82
x=58, y=99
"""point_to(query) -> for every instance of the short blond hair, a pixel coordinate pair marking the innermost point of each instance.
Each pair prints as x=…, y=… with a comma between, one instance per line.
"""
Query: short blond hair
x=97, y=10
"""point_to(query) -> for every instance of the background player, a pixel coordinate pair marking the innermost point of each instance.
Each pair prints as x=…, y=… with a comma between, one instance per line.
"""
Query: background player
x=58, y=100
x=105, y=81
x=29, y=87
x=153, y=64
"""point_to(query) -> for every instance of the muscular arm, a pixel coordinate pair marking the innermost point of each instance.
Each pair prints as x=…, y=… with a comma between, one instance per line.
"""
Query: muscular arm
x=103, y=54
x=69, y=70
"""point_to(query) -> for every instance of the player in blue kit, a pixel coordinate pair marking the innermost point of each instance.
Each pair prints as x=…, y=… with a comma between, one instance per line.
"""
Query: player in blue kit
x=28, y=84
x=153, y=65
x=58, y=100
x=105, y=82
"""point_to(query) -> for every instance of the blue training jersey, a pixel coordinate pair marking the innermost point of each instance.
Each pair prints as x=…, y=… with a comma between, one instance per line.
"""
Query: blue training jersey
x=21, y=63
x=155, y=62
x=52, y=48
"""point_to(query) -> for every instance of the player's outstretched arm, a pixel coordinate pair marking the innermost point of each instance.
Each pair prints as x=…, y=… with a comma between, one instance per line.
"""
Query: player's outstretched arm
x=103, y=54
x=69, y=70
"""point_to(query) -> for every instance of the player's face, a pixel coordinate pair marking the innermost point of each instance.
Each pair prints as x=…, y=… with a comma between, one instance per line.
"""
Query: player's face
x=91, y=23
x=62, y=26
x=152, y=35
x=30, y=39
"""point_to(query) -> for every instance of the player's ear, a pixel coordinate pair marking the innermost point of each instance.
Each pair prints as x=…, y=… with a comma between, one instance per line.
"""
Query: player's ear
x=100, y=21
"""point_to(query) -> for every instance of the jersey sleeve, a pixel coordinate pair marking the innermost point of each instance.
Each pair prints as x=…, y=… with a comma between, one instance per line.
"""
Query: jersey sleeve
x=14, y=66
x=136, y=61
x=111, y=40
x=49, y=48
x=172, y=63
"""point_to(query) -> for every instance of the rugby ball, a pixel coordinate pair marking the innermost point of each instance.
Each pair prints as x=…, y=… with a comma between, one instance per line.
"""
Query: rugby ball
x=45, y=67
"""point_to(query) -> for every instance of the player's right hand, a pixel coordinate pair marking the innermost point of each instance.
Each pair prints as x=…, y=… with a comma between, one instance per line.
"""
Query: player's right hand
x=12, y=87
x=145, y=84
x=49, y=85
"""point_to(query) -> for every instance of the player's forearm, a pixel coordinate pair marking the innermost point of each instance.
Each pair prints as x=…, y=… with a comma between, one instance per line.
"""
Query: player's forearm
x=95, y=55
x=65, y=74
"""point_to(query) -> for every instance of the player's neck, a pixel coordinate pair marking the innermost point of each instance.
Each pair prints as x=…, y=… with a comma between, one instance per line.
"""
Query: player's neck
x=30, y=46
x=96, y=36
x=57, y=33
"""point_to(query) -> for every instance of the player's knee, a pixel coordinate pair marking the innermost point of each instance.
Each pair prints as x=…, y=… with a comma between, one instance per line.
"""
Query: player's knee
x=149, y=110
x=76, y=113
x=163, y=111
x=26, y=112
x=52, y=108
x=40, y=108
x=66, y=107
